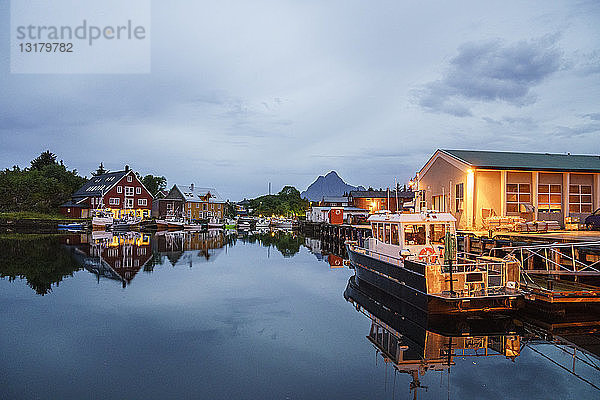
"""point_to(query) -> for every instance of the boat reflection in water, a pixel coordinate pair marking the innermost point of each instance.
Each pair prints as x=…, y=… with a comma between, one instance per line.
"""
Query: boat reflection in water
x=415, y=342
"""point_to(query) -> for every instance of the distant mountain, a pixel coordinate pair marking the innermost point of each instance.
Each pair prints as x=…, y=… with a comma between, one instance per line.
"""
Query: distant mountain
x=328, y=185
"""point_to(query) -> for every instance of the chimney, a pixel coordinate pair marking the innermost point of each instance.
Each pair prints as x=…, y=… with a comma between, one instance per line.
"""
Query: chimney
x=126, y=167
x=192, y=187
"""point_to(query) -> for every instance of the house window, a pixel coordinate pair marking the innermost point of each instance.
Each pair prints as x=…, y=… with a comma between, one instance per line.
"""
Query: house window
x=142, y=202
x=113, y=201
x=128, y=203
x=169, y=206
x=128, y=190
x=130, y=178
x=459, y=196
x=119, y=189
x=439, y=203
x=197, y=205
x=205, y=206
x=516, y=195
x=549, y=198
x=580, y=198
x=138, y=190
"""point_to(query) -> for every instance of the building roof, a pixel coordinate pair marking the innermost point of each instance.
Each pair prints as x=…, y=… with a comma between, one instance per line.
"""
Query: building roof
x=381, y=194
x=335, y=199
x=412, y=217
x=100, y=184
x=198, y=194
x=526, y=161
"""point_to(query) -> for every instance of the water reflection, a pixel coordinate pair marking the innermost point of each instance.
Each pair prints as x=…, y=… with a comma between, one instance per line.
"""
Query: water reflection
x=416, y=343
x=286, y=241
x=38, y=259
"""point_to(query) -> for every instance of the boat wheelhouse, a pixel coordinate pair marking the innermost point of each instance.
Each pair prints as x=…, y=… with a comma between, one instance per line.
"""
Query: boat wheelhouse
x=413, y=257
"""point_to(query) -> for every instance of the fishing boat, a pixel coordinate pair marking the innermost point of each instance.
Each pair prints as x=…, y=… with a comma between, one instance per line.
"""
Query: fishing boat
x=102, y=219
x=214, y=223
x=126, y=223
x=413, y=257
x=195, y=226
x=229, y=223
x=282, y=223
x=263, y=223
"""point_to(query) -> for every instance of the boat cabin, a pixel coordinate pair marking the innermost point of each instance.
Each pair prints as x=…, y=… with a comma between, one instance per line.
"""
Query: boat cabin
x=419, y=236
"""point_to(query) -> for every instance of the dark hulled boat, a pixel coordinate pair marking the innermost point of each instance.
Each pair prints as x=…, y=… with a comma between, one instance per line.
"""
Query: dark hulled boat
x=411, y=257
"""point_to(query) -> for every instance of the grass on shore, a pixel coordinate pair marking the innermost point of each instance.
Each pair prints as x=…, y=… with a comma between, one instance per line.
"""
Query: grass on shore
x=33, y=215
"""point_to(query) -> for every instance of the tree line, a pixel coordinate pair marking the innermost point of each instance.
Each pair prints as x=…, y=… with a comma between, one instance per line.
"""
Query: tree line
x=48, y=183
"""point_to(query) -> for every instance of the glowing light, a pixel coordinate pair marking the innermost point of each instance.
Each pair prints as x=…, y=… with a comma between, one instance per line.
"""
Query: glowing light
x=469, y=171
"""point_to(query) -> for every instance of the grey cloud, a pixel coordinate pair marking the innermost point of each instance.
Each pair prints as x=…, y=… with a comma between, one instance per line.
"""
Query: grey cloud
x=581, y=130
x=491, y=71
x=593, y=116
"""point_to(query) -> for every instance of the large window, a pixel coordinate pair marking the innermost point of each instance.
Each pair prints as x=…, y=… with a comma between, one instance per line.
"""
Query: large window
x=395, y=234
x=439, y=203
x=414, y=234
x=380, y=232
x=549, y=198
x=580, y=198
x=459, y=195
x=128, y=203
x=437, y=232
x=387, y=233
x=128, y=190
x=113, y=201
x=517, y=194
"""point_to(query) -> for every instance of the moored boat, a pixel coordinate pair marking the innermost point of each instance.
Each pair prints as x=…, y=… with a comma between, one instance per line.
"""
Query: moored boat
x=413, y=257
x=102, y=219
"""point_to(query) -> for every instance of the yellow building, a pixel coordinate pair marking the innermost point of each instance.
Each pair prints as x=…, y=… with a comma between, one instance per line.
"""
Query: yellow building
x=474, y=185
x=201, y=203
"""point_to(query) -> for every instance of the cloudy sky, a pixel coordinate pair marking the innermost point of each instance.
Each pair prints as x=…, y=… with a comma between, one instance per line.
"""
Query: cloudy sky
x=242, y=93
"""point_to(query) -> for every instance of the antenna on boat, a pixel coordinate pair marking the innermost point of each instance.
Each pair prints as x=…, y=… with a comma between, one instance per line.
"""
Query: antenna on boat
x=396, y=184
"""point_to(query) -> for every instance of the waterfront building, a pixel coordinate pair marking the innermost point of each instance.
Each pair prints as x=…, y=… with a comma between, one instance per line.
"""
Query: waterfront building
x=119, y=192
x=377, y=200
x=334, y=201
x=192, y=202
x=477, y=185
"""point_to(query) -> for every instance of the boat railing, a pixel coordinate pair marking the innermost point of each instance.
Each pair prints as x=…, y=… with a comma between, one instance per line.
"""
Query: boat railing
x=482, y=276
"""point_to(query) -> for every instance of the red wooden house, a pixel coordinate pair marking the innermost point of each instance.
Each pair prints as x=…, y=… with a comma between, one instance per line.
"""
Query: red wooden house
x=119, y=192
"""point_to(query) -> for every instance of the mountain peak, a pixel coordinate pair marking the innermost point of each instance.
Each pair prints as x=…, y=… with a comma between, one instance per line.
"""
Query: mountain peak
x=328, y=185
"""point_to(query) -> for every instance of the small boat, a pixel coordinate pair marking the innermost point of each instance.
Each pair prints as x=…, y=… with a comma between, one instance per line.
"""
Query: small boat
x=412, y=256
x=282, y=223
x=101, y=219
x=170, y=223
x=263, y=223
x=214, y=223
x=126, y=223
x=229, y=223
x=195, y=226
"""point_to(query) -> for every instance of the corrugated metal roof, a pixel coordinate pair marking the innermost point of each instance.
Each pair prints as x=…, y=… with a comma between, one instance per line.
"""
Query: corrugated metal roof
x=527, y=161
x=195, y=194
x=99, y=185
x=381, y=194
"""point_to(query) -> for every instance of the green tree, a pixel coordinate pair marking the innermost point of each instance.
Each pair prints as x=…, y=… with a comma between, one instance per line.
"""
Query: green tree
x=154, y=183
x=43, y=160
x=100, y=170
x=286, y=202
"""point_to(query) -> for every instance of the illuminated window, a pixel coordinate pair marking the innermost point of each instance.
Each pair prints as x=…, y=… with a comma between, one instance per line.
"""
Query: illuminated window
x=517, y=194
x=580, y=198
x=439, y=203
x=387, y=233
x=549, y=198
x=394, y=238
x=459, y=196
x=414, y=234
x=437, y=232
x=380, y=232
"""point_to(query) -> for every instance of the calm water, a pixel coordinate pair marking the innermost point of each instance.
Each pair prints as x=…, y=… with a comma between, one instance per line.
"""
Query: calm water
x=208, y=316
